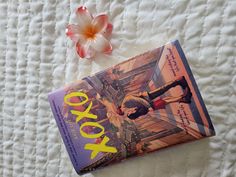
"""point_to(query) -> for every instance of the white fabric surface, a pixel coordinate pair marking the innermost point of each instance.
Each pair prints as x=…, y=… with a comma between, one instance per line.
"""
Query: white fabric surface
x=36, y=57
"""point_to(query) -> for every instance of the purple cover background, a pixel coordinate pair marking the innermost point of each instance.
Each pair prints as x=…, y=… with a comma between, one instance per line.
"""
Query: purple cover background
x=82, y=156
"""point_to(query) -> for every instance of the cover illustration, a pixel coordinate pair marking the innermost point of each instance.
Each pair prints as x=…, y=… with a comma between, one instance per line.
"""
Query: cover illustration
x=146, y=103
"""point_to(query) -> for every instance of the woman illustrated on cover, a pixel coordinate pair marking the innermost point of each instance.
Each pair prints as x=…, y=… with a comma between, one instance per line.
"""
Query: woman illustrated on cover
x=134, y=106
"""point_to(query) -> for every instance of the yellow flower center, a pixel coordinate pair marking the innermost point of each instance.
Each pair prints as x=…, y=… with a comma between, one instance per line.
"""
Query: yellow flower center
x=90, y=32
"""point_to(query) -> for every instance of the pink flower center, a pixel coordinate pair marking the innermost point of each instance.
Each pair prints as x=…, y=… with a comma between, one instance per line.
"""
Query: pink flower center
x=90, y=32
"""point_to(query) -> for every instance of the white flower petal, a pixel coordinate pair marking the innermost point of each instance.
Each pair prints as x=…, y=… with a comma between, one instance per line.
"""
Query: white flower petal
x=100, y=22
x=83, y=16
x=101, y=44
x=108, y=31
x=85, y=50
x=74, y=32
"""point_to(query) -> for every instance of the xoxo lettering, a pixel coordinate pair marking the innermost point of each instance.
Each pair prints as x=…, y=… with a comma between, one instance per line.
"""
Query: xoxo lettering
x=95, y=148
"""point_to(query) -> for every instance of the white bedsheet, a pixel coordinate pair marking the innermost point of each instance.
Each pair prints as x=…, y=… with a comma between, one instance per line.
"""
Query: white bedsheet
x=36, y=57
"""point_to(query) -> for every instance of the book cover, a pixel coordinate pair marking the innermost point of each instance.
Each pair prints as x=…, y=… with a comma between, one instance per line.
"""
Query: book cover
x=146, y=103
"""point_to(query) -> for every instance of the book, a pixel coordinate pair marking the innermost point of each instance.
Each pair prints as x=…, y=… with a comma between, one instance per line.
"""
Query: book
x=146, y=103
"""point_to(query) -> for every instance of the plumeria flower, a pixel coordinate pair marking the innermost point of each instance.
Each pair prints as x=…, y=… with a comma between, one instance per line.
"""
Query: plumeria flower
x=90, y=34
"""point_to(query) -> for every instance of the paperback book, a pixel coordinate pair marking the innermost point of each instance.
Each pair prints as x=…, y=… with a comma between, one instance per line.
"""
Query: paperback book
x=141, y=105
